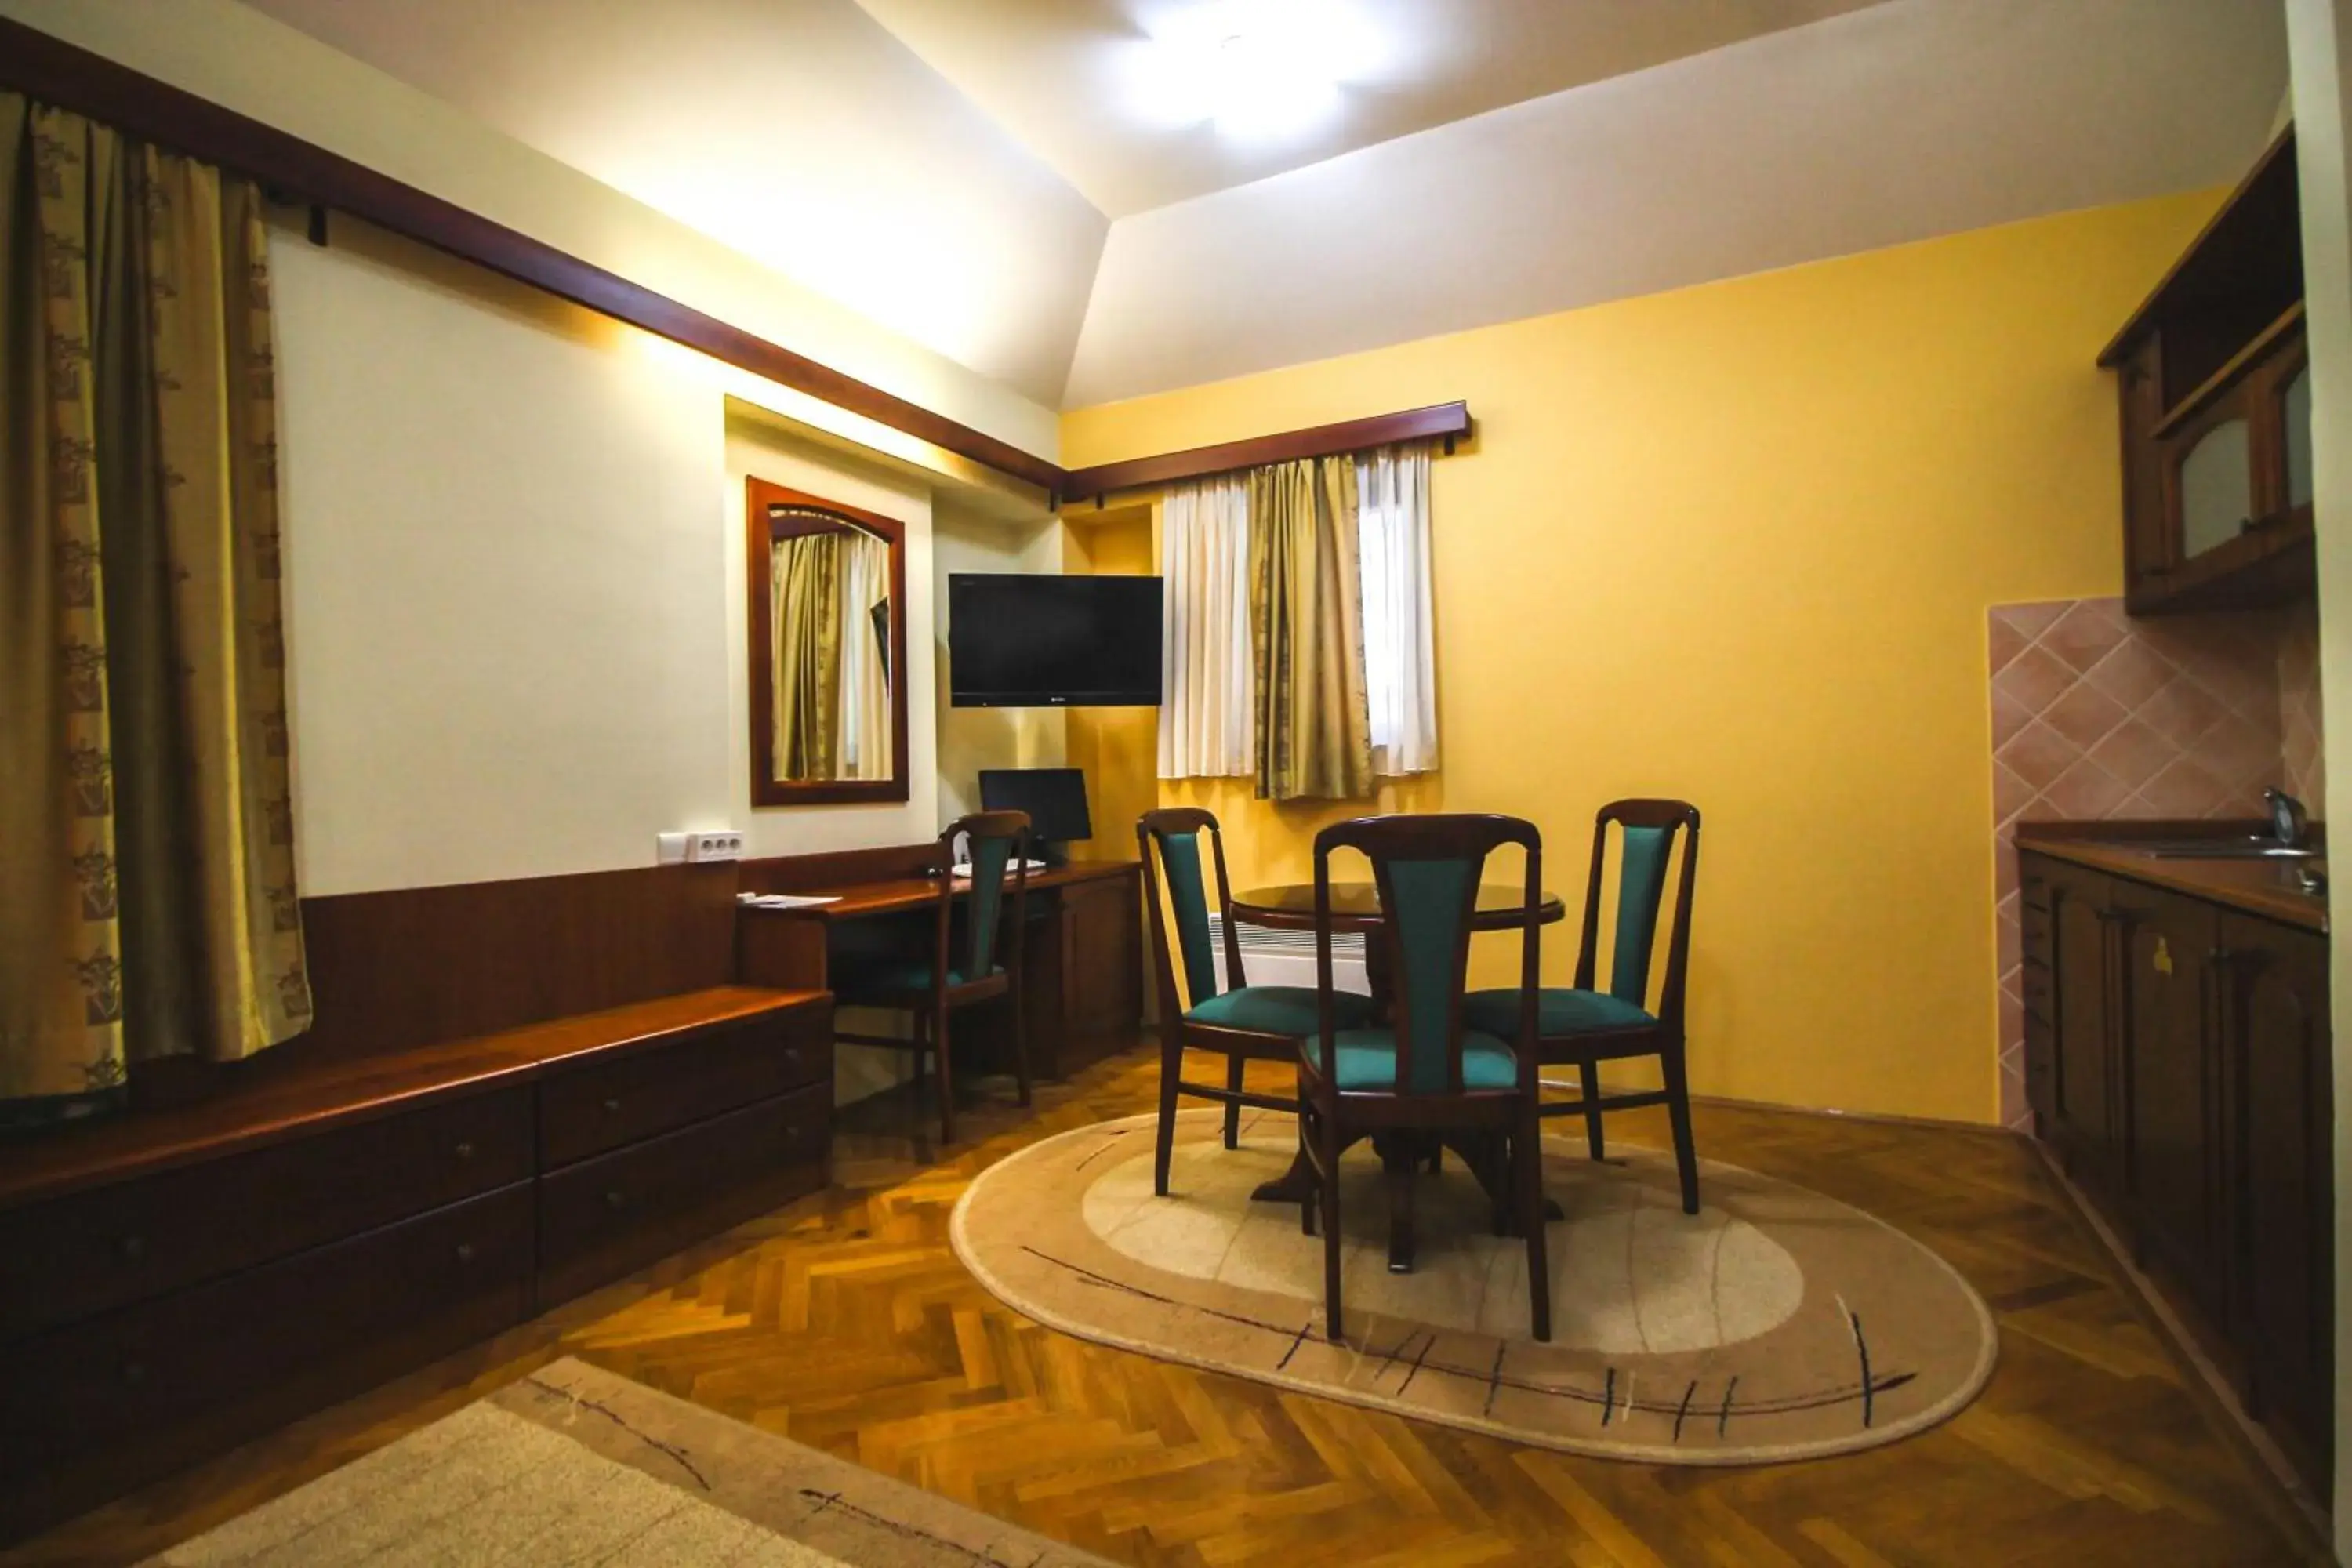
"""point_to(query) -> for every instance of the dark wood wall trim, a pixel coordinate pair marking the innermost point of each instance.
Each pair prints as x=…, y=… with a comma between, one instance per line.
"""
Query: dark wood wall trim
x=62, y=74
x=1446, y=421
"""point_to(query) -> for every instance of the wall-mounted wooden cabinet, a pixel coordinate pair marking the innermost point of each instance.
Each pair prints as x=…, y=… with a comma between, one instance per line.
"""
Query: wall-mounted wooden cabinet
x=2216, y=398
x=2177, y=1063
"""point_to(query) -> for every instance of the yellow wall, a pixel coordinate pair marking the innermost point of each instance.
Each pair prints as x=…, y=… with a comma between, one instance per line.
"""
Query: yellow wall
x=1736, y=543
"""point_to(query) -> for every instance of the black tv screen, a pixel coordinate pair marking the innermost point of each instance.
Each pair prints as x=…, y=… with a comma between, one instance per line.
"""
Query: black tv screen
x=1017, y=641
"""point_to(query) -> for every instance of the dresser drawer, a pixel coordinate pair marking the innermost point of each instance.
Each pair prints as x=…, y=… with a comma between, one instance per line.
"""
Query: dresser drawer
x=600, y=1106
x=603, y=1217
x=92, y=1251
x=131, y=1372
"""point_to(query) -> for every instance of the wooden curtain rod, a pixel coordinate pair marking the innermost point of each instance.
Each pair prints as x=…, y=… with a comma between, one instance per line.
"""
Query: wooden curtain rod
x=291, y=169
x=59, y=74
x=1446, y=421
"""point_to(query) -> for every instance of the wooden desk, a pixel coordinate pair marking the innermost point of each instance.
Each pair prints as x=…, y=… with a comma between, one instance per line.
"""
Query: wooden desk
x=1082, y=970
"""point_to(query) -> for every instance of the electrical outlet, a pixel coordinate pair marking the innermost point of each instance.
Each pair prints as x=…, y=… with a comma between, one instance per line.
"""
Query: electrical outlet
x=724, y=845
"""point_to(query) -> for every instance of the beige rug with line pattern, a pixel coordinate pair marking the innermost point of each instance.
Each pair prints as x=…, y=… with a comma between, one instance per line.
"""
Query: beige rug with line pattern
x=1776, y=1324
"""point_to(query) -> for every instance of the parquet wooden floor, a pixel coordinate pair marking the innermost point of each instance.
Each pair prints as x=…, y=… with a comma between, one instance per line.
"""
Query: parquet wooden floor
x=845, y=1321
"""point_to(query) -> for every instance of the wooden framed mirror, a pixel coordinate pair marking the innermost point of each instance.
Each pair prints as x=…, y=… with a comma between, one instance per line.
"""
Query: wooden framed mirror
x=828, y=650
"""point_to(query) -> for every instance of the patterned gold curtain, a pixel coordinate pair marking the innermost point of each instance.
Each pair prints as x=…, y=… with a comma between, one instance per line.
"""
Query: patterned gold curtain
x=1314, y=725
x=147, y=893
x=804, y=609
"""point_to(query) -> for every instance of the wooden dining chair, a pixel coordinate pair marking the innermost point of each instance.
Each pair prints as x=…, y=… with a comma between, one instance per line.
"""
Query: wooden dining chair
x=986, y=964
x=1583, y=1026
x=1428, y=1070
x=1241, y=1022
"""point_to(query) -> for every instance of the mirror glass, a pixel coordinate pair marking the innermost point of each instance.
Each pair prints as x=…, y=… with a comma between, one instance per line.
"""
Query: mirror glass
x=827, y=650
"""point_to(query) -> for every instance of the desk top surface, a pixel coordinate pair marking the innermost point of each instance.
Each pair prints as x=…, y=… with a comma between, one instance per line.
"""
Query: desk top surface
x=890, y=895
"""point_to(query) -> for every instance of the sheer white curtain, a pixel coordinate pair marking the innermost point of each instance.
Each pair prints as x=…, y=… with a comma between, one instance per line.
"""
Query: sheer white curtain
x=864, y=677
x=1399, y=663
x=1206, y=709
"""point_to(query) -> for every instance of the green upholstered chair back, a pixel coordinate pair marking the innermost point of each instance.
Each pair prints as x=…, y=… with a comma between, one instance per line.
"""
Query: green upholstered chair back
x=1428, y=870
x=1170, y=844
x=996, y=840
x=1647, y=832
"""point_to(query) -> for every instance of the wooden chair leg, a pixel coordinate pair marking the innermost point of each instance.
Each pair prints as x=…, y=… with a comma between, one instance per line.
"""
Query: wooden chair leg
x=1020, y=1047
x=1527, y=1146
x=1233, y=1065
x=1670, y=1062
x=918, y=1131
x=946, y=1077
x=1589, y=1074
x=1400, y=1166
x=1328, y=1190
x=1172, y=1069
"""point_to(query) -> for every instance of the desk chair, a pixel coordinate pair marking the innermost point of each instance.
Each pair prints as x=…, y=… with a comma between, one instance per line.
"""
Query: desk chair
x=1243, y=1023
x=1587, y=1027
x=1429, y=1071
x=986, y=964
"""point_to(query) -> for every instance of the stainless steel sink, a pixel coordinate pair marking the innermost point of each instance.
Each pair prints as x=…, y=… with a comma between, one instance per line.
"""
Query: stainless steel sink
x=2236, y=846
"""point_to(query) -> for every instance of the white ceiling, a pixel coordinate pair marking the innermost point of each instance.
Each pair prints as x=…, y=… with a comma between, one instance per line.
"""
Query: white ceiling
x=944, y=166
x=1906, y=121
x=800, y=131
x=1062, y=74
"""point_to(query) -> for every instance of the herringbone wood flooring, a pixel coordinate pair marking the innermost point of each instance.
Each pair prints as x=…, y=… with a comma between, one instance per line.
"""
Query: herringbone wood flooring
x=845, y=1322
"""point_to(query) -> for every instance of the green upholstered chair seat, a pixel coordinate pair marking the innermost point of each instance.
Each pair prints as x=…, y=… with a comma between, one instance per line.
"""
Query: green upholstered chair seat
x=1559, y=1010
x=894, y=977
x=1367, y=1058
x=1281, y=1010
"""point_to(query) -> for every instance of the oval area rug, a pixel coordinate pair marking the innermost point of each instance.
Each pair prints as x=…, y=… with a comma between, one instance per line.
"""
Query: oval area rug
x=1776, y=1324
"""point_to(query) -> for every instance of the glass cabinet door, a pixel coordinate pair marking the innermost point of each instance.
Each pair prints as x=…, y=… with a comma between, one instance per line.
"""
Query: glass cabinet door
x=2294, y=414
x=2217, y=487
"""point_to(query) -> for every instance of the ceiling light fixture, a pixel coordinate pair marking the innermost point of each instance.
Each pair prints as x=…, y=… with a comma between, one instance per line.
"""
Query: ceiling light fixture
x=1260, y=70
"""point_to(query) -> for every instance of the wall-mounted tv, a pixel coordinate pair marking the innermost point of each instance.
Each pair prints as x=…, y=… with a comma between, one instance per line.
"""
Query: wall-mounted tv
x=1017, y=641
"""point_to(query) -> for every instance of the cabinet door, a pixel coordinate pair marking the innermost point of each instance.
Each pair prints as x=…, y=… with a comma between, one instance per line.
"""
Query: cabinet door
x=2280, y=1180
x=2083, y=1120
x=2171, y=1082
x=2211, y=469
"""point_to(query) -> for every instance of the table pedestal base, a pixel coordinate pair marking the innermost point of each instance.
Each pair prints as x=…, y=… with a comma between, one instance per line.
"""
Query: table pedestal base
x=1486, y=1156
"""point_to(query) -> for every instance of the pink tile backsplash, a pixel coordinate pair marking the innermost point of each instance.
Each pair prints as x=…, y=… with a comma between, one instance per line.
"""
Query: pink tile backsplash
x=2099, y=716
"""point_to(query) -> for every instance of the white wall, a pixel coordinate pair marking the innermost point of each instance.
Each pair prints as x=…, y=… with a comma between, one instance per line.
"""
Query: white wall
x=506, y=583
x=2319, y=44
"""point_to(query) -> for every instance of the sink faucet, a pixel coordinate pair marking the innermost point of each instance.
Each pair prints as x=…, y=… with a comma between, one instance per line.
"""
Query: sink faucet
x=2287, y=816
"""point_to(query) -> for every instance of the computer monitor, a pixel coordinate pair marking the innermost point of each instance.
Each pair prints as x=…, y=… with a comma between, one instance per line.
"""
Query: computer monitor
x=1054, y=798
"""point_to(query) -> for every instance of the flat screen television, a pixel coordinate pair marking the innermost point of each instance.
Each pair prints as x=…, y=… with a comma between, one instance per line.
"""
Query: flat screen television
x=1016, y=641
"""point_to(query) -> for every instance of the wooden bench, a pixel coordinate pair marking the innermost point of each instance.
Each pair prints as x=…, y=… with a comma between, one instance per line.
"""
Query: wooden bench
x=173, y=1282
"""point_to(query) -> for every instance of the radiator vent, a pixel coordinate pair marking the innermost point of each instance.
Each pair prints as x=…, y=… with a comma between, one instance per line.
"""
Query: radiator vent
x=1271, y=957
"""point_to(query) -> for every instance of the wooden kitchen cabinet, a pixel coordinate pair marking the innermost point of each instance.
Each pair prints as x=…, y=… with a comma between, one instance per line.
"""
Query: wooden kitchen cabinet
x=2178, y=1065
x=2212, y=374
x=2278, y=1160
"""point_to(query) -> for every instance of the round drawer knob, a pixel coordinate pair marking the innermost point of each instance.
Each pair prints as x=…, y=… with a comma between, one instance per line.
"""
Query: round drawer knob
x=615, y=1200
x=465, y=1151
x=134, y=1372
x=465, y=1252
x=612, y=1105
x=131, y=1247
x=793, y=1054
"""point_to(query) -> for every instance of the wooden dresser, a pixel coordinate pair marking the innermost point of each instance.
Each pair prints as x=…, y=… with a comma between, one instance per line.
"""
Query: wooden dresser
x=174, y=1282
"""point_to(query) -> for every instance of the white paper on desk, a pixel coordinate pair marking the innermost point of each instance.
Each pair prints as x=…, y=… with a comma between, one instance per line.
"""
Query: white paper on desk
x=786, y=900
x=962, y=873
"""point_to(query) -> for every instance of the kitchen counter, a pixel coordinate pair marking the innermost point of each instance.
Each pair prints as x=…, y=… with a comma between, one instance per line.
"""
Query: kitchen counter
x=2263, y=888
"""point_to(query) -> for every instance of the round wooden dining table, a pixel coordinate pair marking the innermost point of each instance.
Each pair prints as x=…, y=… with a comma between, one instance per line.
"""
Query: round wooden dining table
x=1356, y=907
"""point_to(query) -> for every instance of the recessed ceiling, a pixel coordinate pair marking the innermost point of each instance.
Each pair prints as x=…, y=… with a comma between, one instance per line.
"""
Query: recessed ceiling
x=1076, y=79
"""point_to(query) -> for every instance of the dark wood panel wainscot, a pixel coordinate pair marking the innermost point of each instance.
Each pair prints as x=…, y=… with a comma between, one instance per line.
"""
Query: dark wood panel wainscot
x=2178, y=1065
x=176, y=1281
